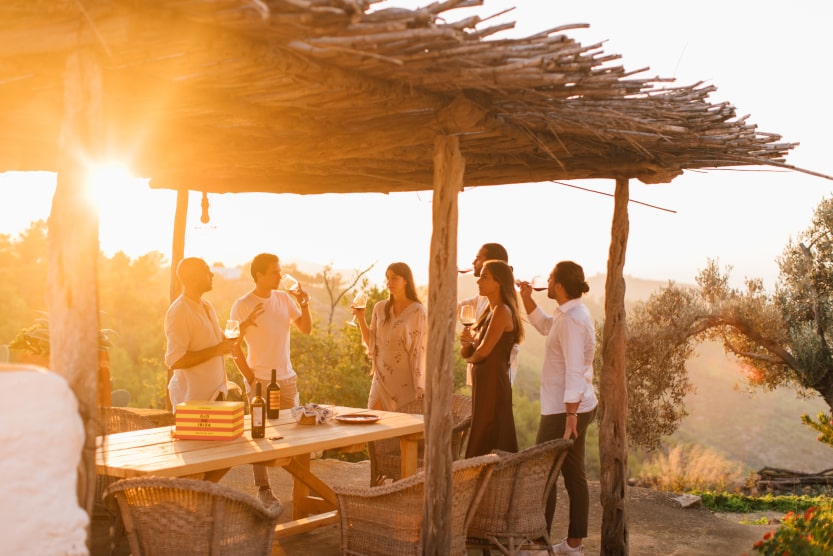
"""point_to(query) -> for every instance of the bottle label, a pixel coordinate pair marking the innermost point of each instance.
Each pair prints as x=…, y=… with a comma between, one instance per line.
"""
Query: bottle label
x=257, y=416
x=274, y=399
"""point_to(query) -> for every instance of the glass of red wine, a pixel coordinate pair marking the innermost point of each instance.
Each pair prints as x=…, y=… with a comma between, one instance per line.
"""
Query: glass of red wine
x=537, y=283
x=467, y=315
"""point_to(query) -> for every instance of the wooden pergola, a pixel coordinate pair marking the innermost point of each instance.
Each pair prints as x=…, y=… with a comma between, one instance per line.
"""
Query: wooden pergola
x=338, y=96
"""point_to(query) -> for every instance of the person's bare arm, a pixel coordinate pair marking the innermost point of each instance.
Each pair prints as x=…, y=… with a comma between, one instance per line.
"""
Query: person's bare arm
x=501, y=322
x=304, y=322
x=193, y=358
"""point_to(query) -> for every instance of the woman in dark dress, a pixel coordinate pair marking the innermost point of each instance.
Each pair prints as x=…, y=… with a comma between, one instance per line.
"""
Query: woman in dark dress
x=487, y=345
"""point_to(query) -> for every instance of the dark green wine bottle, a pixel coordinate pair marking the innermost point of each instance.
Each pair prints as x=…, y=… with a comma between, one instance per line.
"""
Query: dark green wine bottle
x=258, y=414
x=273, y=398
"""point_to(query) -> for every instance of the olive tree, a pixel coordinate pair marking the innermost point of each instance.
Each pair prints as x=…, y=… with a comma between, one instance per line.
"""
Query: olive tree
x=783, y=338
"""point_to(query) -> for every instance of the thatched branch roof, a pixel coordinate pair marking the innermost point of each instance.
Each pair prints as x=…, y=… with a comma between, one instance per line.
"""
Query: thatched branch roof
x=314, y=96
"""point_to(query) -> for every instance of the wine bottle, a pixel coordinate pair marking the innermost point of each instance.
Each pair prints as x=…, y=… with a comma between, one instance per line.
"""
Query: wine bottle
x=273, y=398
x=258, y=414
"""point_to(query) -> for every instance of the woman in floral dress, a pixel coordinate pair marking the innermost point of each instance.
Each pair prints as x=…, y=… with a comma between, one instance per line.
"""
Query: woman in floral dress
x=395, y=342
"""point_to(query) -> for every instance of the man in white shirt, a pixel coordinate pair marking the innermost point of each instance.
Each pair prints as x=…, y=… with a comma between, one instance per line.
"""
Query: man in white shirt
x=568, y=399
x=488, y=251
x=267, y=341
x=195, y=343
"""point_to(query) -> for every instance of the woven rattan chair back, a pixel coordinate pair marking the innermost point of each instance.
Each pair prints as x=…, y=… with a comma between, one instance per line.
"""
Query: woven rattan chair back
x=511, y=513
x=120, y=419
x=387, y=519
x=165, y=516
x=112, y=420
x=384, y=454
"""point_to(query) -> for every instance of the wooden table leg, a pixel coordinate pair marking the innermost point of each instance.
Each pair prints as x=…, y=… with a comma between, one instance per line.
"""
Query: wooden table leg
x=409, y=454
x=214, y=475
x=300, y=491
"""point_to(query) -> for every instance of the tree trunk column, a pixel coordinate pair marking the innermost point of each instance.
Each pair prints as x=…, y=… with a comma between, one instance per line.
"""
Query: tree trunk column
x=72, y=248
x=613, y=440
x=449, y=166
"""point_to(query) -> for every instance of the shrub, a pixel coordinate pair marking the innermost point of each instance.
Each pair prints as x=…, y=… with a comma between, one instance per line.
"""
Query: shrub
x=688, y=467
x=824, y=426
x=810, y=534
x=741, y=504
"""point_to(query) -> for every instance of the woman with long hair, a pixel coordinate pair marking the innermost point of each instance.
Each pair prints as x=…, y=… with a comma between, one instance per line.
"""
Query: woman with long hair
x=487, y=346
x=395, y=342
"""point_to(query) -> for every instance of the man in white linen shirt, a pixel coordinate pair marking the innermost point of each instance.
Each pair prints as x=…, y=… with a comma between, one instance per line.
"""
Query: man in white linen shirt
x=487, y=252
x=568, y=399
x=195, y=343
x=267, y=341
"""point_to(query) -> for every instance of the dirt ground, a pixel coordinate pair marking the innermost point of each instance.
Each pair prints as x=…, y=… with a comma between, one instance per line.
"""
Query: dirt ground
x=656, y=524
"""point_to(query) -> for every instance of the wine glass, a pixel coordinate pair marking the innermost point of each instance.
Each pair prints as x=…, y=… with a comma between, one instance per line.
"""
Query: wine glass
x=467, y=315
x=359, y=302
x=289, y=283
x=539, y=283
x=232, y=329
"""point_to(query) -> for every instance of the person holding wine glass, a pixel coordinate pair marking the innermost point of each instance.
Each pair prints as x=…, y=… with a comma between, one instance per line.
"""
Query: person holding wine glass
x=395, y=342
x=568, y=399
x=267, y=341
x=195, y=343
x=488, y=252
x=488, y=346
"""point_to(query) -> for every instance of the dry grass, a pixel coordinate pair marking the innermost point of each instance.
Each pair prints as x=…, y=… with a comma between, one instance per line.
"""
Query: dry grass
x=687, y=467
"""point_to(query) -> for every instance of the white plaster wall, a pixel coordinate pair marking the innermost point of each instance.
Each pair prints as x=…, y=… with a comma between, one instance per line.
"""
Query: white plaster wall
x=41, y=435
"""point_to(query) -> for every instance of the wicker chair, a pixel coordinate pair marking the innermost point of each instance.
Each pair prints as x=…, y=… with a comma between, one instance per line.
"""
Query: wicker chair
x=387, y=519
x=511, y=513
x=163, y=515
x=384, y=454
x=121, y=419
x=113, y=420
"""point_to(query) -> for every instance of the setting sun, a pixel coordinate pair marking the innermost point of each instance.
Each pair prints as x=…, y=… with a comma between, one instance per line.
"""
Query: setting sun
x=132, y=217
x=107, y=183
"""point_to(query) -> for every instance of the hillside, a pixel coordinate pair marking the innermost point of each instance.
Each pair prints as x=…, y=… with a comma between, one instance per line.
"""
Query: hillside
x=758, y=429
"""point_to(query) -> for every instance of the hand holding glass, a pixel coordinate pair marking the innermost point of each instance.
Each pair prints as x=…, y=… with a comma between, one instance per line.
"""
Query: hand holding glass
x=232, y=329
x=359, y=302
x=289, y=283
x=467, y=315
x=538, y=283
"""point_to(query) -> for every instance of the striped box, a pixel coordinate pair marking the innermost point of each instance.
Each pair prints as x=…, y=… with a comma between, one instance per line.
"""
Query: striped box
x=198, y=420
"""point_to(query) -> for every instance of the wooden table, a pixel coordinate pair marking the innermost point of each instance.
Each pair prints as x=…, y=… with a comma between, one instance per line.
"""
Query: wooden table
x=157, y=452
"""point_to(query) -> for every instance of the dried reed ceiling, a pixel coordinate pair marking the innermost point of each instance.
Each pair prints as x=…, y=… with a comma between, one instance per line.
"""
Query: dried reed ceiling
x=317, y=96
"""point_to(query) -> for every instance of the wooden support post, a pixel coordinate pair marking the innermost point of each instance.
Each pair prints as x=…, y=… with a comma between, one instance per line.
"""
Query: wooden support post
x=177, y=254
x=178, y=245
x=449, y=167
x=72, y=250
x=613, y=438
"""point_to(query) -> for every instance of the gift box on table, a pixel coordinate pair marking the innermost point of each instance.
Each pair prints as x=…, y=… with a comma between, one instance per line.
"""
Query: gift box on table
x=198, y=420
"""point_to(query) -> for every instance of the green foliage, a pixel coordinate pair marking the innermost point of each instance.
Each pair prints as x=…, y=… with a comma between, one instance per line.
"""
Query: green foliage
x=35, y=339
x=807, y=534
x=720, y=501
x=332, y=368
x=659, y=344
x=823, y=425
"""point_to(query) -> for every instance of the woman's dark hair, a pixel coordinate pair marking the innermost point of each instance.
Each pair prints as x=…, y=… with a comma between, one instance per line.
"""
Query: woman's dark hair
x=495, y=251
x=571, y=276
x=404, y=271
x=503, y=275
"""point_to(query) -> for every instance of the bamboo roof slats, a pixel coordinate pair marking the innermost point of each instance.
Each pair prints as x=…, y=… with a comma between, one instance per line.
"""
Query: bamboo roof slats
x=347, y=95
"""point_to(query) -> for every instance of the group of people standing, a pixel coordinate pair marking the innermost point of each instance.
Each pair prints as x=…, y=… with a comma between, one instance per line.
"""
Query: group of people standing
x=395, y=340
x=568, y=399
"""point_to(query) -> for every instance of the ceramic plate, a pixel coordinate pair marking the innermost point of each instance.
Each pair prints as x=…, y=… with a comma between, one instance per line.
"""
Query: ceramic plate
x=357, y=418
